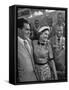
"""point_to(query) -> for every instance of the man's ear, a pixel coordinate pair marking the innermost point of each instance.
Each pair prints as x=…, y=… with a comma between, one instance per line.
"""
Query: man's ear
x=19, y=30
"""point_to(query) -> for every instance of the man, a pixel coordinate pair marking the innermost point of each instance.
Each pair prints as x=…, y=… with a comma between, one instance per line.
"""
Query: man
x=36, y=28
x=25, y=53
x=50, y=24
x=37, y=24
x=60, y=22
x=58, y=45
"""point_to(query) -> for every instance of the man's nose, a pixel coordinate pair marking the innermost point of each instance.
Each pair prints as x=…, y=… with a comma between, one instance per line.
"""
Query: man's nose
x=28, y=32
x=59, y=32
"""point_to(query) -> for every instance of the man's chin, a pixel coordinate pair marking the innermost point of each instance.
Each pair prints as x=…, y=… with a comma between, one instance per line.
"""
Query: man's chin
x=27, y=37
x=59, y=35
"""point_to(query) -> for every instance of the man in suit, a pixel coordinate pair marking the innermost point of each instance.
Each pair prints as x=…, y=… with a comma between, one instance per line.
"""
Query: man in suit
x=25, y=53
x=60, y=22
x=58, y=46
x=35, y=28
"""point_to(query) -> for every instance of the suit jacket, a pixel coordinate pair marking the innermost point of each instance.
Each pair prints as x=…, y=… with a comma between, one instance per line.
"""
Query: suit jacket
x=59, y=52
x=25, y=62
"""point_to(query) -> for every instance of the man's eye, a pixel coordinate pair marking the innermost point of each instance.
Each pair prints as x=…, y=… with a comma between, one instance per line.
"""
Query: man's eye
x=45, y=33
x=27, y=29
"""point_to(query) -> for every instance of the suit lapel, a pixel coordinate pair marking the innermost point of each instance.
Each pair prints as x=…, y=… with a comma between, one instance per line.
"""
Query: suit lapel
x=22, y=44
x=30, y=54
x=27, y=49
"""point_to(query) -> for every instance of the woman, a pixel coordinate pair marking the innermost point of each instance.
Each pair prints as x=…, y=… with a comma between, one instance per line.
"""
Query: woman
x=43, y=56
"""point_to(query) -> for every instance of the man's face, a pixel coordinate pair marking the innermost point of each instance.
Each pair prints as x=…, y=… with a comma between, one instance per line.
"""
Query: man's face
x=50, y=21
x=26, y=30
x=59, y=31
x=36, y=23
x=60, y=19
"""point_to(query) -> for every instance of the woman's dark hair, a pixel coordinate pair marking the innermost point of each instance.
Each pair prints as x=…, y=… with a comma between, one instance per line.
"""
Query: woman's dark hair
x=21, y=22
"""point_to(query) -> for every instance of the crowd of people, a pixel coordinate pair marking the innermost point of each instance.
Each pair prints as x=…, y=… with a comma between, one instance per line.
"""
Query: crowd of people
x=41, y=51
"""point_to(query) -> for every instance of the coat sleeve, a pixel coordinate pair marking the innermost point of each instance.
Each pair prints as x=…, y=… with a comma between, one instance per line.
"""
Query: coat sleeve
x=52, y=63
x=21, y=61
x=50, y=52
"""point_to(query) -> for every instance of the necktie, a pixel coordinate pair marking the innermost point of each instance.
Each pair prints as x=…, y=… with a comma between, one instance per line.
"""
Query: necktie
x=27, y=45
x=58, y=43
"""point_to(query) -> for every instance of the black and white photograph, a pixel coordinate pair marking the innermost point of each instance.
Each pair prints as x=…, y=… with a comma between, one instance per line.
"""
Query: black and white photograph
x=41, y=47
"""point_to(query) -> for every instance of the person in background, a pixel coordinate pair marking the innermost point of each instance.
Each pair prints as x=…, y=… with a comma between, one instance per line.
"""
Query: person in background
x=43, y=56
x=60, y=22
x=50, y=24
x=58, y=46
x=25, y=64
x=36, y=27
x=60, y=19
x=37, y=24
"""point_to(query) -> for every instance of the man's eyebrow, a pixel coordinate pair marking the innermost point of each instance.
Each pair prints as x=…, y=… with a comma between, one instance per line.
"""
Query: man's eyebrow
x=28, y=28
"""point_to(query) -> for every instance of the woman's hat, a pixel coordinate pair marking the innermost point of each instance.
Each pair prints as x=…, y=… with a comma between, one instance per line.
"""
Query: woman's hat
x=44, y=28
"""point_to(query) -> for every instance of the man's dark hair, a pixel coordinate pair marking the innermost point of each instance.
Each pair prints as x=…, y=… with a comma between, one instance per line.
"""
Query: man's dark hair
x=59, y=14
x=21, y=22
x=36, y=20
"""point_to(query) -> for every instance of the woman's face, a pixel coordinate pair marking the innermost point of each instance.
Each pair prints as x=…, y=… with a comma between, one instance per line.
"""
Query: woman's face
x=44, y=35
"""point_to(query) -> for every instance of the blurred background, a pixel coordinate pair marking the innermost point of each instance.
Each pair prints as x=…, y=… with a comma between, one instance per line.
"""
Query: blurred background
x=42, y=17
